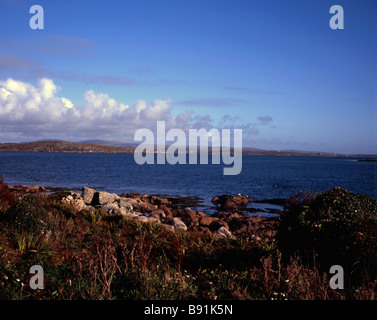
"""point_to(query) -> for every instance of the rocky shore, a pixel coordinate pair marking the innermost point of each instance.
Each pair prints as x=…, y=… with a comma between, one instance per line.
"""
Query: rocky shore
x=229, y=220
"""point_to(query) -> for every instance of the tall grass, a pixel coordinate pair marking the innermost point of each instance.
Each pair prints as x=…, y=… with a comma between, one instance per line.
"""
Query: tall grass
x=89, y=255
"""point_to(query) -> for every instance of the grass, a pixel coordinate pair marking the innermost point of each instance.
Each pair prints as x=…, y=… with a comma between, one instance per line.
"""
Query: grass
x=89, y=255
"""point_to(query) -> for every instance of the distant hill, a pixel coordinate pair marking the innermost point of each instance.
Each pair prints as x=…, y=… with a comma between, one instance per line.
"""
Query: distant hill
x=62, y=146
x=112, y=143
x=102, y=146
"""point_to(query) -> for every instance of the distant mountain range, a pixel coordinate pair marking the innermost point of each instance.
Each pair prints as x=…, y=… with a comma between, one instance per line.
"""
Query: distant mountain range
x=102, y=146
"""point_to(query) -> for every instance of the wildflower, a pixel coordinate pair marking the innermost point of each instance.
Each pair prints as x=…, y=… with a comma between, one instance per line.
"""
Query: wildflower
x=6, y=277
x=215, y=297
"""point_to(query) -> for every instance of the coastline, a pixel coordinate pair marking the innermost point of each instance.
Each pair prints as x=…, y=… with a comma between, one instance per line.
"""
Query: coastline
x=160, y=248
x=79, y=147
x=229, y=217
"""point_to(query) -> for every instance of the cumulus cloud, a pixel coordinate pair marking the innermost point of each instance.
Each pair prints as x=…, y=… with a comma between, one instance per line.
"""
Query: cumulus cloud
x=22, y=103
x=29, y=112
x=37, y=110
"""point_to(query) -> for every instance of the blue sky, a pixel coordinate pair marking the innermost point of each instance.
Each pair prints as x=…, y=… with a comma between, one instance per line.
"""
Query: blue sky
x=103, y=69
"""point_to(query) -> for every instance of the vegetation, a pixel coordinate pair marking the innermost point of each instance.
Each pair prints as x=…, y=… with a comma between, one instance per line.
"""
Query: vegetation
x=63, y=146
x=91, y=255
x=334, y=227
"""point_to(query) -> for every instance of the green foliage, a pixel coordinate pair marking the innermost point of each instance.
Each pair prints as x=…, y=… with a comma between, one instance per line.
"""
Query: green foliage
x=340, y=227
x=26, y=214
x=7, y=199
x=92, y=255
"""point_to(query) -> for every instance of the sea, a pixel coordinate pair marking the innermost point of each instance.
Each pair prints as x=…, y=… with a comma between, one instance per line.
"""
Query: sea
x=262, y=177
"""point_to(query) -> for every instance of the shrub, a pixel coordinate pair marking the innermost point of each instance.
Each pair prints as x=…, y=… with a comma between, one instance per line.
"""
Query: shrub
x=333, y=227
x=26, y=214
x=7, y=198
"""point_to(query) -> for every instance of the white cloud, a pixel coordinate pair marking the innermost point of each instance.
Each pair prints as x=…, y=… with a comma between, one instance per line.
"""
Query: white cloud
x=68, y=103
x=29, y=112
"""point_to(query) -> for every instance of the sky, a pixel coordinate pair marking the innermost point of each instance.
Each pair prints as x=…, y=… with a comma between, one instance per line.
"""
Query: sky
x=273, y=68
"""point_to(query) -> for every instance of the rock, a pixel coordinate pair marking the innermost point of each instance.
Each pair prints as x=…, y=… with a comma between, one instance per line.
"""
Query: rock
x=142, y=206
x=126, y=203
x=217, y=224
x=223, y=233
x=79, y=204
x=168, y=226
x=189, y=217
x=32, y=189
x=142, y=219
x=200, y=214
x=159, y=201
x=158, y=213
x=205, y=230
x=231, y=203
x=255, y=238
x=179, y=226
x=88, y=194
x=154, y=220
x=116, y=197
x=206, y=221
x=128, y=214
x=146, y=219
x=102, y=197
x=111, y=208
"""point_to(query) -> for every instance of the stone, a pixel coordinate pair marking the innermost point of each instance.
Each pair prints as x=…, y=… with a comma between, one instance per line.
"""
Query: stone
x=217, y=224
x=126, y=203
x=102, y=197
x=142, y=219
x=129, y=214
x=223, y=233
x=142, y=206
x=32, y=189
x=206, y=221
x=255, y=238
x=79, y=204
x=231, y=203
x=200, y=214
x=111, y=208
x=168, y=226
x=158, y=213
x=189, y=217
x=88, y=194
x=179, y=226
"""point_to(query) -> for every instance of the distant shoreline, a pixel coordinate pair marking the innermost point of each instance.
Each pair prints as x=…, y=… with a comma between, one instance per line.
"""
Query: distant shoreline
x=78, y=147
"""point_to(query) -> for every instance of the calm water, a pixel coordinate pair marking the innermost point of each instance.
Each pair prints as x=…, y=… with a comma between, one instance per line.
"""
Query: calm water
x=119, y=173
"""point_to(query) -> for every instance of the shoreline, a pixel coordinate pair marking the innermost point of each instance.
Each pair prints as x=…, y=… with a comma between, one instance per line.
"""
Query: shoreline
x=82, y=147
x=230, y=216
x=266, y=207
x=149, y=238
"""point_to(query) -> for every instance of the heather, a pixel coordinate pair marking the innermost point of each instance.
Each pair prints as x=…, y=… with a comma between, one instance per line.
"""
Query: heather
x=90, y=254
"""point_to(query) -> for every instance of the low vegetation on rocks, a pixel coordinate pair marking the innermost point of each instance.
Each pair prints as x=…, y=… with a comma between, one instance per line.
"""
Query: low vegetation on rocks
x=98, y=245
